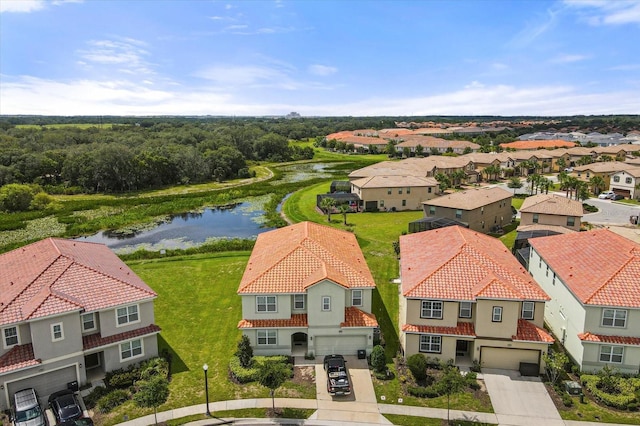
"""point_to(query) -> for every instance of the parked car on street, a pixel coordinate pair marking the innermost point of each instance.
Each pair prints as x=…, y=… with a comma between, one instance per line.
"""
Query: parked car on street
x=337, y=375
x=617, y=197
x=65, y=406
x=606, y=195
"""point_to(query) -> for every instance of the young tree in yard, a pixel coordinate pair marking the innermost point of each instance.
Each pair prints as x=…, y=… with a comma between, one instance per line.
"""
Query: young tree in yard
x=378, y=359
x=417, y=364
x=452, y=382
x=245, y=351
x=152, y=393
x=515, y=183
x=327, y=205
x=273, y=375
x=344, y=209
x=555, y=364
x=419, y=150
x=443, y=181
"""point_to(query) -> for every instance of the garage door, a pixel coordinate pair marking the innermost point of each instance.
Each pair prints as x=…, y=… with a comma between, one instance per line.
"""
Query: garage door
x=47, y=383
x=343, y=345
x=505, y=358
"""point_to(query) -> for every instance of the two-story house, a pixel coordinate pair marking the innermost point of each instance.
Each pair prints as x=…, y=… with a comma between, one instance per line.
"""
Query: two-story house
x=593, y=279
x=307, y=289
x=482, y=209
x=465, y=298
x=626, y=182
x=551, y=209
x=69, y=312
x=394, y=193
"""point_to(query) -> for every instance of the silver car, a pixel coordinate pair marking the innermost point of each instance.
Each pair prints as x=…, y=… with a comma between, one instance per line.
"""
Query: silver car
x=26, y=410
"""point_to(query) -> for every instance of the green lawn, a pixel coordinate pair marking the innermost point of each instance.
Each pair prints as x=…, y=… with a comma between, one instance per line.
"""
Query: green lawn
x=590, y=411
x=198, y=310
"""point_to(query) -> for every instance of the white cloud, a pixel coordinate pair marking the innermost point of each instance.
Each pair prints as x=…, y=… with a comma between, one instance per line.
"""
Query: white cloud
x=536, y=27
x=322, y=70
x=607, y=12
x=564, y=59
x=126, y=53
x=625, y=67
x=28, y=6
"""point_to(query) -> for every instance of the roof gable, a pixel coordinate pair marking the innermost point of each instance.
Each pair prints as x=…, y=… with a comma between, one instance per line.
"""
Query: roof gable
x=470, y=199
x=551, y=204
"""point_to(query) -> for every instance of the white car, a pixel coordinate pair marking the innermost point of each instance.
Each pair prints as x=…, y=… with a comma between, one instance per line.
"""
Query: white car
x=606, y=195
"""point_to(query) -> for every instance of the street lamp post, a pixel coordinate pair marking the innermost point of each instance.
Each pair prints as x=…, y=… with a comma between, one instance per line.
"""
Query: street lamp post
x=206, y=388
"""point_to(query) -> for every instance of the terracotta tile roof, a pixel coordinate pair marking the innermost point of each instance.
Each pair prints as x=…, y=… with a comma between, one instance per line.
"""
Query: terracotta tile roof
x=354, y=317
x=487, y=157
x=462, y=329
x=455, y=263
x=529, y=332
x=93, y=341
x=470, y=199
x=395, y=182
x=535, y=144
x=290, y=259
x=552, y=204
x=431, y=142
x=411, y=166
x=18, y=357
x=54, y=276
x=599, y=267
x=617, y=340
x=296, y=321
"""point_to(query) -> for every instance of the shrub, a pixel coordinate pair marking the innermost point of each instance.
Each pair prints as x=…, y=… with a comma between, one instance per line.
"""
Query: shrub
x=154, y=367
x=378, y=359
x=632, y=406
x=417, y=364
x=567, y=400
x=122, y=378
x=476, y=366
x=241, y=374
x=621, y=400
x=423, y=392
x=244, y=351
x=92, y=399
x=111, y=400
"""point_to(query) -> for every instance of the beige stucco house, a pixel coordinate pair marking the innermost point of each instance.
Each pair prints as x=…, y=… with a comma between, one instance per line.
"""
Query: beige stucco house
x=69, y=312
x=626, y=182
x=464, y=297
x=394, y=193
x=593, y=280
x=483, y=209
x=551, y=209
x=307, y=289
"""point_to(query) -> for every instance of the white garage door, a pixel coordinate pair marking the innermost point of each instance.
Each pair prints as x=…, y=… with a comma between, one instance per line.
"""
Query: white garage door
x=506, y=358
x=343, y=345
x=45, y=384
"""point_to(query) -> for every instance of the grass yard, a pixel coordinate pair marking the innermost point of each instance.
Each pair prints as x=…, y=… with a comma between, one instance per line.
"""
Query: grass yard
x=198, y=310
x=590, y=411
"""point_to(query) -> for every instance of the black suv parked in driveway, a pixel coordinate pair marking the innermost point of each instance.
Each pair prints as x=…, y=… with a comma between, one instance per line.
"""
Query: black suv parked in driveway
x=65, y=406
x=337, y=375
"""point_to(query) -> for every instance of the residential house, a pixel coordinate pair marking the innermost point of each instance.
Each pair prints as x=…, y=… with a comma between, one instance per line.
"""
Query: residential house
x=579, y=152
x=602, y=169
x=465, y=298
x=593, y=280
x=538, y=144
x=626, y=182
x=482, y=209
x=551, y=209
x=482, y=160
x=69, y=312
x=307, y=290
x=394, y=193
x=430, y=144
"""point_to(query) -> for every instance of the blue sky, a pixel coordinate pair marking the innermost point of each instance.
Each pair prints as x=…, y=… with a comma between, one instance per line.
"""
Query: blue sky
x=323, y=58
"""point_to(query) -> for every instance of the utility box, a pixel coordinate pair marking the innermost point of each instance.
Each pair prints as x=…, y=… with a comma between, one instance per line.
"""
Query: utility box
x=572, y=387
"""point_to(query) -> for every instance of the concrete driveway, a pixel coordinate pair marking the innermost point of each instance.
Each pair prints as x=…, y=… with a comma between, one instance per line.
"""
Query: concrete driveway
x=359, y=407
x=519, y=400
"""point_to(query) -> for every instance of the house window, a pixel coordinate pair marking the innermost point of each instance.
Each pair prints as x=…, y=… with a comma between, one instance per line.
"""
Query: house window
x=88, y=322
x=611, y=354
x=614, y=318
x=431, y=309
x=458, y=214
x=465, y=310
x=497, y=314
x=535, y=218
x=554, y=279
x=571, y=221
x=389, y=191
x=481, y=210
x=381, y=203
x=56, y=332
x=10, y=335
x=267, y=337
x=429, y=190
x=131, y=349
x=408, y=190
x=404, y=203
x=431, y=344
x=400, y=191
x=356, y=297
x=127, y=315
x=432, y=210
x=627, y=180
x=266, y=303
x=326, y=303
x=546, y=274
x=528, y=310
x=616, y=178
x=482, y=223
x=298, y=301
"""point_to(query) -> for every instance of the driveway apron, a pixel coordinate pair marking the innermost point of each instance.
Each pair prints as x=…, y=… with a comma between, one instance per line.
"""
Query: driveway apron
x=359, y=407
x=520, y=400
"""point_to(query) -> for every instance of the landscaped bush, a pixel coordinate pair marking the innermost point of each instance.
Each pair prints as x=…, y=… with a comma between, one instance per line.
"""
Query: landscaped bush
x=154, y=367
x=567, y=400
x=112, y=400
x=417, y=364
x=246, y=375
x=423, y=391
x=122, y=378
x=92, y=399
x=378, y=359
x=625, y=388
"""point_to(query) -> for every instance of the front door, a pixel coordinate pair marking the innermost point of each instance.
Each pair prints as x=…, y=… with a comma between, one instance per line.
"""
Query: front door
x=462, y=347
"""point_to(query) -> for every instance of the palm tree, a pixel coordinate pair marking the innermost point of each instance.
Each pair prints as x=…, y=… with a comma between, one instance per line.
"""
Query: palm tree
x=544, y=184
x=515, y=183
x=597, y=184
x=458, y=177
x=583, y=161
x=327, y=205
x=344, y=209
x=606, y=158
x=562, y=164
x=570, y=184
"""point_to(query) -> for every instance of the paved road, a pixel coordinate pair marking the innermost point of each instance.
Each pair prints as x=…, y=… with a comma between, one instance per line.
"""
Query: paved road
x=610, y=212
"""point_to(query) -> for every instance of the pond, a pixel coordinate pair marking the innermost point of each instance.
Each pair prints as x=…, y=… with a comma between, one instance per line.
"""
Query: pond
x=241, y=220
